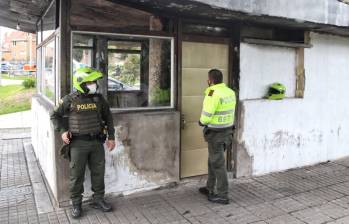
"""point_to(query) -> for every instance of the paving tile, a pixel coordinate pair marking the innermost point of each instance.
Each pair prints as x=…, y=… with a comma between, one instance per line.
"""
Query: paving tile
x=314, y=194
x=288, y=204
x=265, y=210
x=344, y=220
x=311, y=216
x=333, y=210
x=284, y=219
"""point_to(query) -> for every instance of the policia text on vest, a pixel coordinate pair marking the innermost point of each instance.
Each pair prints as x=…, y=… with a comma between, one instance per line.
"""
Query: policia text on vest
x=85, y=117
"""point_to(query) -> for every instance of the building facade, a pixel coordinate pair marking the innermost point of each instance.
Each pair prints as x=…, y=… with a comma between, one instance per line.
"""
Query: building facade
x=19, y=46
x=155, y=56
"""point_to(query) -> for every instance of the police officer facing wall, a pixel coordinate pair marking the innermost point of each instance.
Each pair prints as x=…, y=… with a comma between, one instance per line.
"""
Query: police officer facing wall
x=85, y=122
x=217, y=117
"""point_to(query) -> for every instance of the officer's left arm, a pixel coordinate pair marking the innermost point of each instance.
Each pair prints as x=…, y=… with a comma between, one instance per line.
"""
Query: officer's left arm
x=108, y=119
x=209, y=108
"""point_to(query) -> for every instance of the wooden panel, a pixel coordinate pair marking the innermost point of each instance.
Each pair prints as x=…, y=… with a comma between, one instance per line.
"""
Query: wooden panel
x=204, y=55
x=197, y=60
x=196, y=80
x=192, y=137
x=192, y=113
x=194, y=162
x=108, y=14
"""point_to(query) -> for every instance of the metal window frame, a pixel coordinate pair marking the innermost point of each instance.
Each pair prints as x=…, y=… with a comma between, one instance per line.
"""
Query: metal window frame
x=43, y=50
x=173, y=92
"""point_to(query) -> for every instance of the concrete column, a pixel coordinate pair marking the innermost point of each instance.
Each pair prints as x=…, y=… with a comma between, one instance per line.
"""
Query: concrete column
x=155, y=49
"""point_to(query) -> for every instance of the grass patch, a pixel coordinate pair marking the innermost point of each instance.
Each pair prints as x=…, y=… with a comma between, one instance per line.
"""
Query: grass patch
x=16, y=77
x=15, y=98
x=9, y=90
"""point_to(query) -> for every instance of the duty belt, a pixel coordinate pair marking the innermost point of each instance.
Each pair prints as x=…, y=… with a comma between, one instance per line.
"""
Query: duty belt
x=86, y=137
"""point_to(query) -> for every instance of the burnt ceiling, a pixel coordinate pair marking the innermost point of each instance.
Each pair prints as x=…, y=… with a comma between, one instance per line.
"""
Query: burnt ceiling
x=27, y=12
x=24, y=12
x=193, y=9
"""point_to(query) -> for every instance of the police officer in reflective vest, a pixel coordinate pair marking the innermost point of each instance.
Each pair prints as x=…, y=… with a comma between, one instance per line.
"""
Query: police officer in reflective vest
x=217, y=117
x=85, y=122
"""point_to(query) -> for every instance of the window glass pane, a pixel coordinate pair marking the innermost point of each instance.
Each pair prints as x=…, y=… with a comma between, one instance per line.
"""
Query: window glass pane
x=48, y=74
x=82, y=41
x=138, y=69
x=49, y=21
x=57, y=70
x=82, y=58
x=139, y=72
x=38, y=68
x=39, y=33
x=124, y=45
x=124, y=69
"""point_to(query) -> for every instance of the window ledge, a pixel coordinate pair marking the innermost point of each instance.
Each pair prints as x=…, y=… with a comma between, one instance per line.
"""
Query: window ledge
x=276, y=43
x=142, y=110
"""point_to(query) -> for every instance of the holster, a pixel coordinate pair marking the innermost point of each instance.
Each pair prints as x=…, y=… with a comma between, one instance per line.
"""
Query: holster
x=64, y=151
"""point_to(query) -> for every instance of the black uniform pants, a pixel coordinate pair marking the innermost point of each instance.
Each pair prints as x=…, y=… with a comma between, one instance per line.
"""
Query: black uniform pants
x=91, y=153
x=218, y=142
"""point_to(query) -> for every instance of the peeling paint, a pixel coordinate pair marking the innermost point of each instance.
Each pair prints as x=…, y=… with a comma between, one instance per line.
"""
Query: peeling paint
x=295, y=132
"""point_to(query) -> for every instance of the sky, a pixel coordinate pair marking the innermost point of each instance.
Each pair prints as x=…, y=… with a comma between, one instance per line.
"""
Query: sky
x=3, y=30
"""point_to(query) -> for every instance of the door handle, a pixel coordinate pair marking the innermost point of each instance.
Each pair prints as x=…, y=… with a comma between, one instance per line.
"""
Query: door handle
x=182, y=121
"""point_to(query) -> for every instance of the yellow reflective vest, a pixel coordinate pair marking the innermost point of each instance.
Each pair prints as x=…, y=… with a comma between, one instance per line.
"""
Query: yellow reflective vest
x=218, y=107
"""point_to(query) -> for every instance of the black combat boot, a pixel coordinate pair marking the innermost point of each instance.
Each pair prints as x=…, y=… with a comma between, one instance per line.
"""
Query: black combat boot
x=76, y=211
x=204, y=191
x=218, y=199
x=102, y=205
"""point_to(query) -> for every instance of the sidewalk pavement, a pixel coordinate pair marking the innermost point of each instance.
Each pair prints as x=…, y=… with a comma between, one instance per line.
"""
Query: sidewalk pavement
x=314, y=195
x=16, y=120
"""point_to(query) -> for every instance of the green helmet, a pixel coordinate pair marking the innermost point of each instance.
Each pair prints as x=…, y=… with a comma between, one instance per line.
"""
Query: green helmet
x=276, y=91
x=83, y=75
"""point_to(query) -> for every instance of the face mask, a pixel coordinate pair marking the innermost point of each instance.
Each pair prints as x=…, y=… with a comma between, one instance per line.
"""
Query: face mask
x=92, y=88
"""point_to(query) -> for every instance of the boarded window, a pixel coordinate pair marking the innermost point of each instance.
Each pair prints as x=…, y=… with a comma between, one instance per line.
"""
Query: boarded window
x=261, y=66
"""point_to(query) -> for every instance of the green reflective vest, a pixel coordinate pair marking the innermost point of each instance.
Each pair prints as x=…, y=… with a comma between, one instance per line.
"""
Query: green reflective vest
x=219, y=107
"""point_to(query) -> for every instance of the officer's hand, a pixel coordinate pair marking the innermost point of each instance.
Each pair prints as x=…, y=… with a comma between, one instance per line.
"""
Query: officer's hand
x=66, y=137
x=110, y=144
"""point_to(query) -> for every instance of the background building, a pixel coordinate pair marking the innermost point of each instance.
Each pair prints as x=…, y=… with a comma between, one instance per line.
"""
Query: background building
x=19, y=46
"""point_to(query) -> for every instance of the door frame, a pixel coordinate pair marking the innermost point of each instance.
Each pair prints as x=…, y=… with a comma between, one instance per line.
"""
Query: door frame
x=233, y=77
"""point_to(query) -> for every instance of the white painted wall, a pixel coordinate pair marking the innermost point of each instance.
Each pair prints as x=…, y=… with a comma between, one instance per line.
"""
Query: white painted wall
x=43, y=143
x=279, y=135
x=261, y=66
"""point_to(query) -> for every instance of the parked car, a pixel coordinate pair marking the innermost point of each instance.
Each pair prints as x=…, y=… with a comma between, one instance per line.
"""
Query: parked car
x=5, y=66
x=29, y=68
x=116, y=85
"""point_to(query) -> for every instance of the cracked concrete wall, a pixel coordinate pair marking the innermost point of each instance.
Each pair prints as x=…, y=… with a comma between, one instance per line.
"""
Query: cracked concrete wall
x=147, y=153
x=279, y=135
x=43, y=141
x=330, y=12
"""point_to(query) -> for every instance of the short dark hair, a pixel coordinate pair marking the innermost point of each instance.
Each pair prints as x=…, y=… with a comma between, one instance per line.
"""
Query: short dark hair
x=216, y=76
